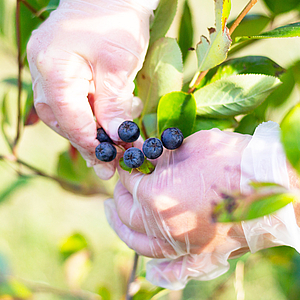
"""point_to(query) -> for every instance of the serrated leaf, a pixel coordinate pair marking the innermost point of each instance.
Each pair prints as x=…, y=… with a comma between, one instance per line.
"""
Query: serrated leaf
x=234, y=95
x=176, y=109
x=243, y=65
x=290, y=136
x=163, y=18
x=123, y=166
x=147, y=167
x=186, y=31
x=286, y=31
x=161, y=73
x=214, y=51
x=266, y=199
x=279, y=7
x=208, y=123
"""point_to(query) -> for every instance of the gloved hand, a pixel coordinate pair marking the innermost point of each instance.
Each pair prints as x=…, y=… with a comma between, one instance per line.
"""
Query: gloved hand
x=83, y=60
x=167, y=214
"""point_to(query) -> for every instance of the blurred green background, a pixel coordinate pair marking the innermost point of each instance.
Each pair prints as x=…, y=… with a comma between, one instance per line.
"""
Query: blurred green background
x=38, y=215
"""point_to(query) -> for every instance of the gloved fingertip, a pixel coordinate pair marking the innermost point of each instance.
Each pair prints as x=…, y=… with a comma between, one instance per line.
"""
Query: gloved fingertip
x=113, y=127
x=137, y=107
x=104, y=171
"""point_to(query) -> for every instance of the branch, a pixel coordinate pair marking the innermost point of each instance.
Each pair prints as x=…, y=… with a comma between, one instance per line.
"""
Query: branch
x=33, y=10
x=129, y=294
x=231, y=30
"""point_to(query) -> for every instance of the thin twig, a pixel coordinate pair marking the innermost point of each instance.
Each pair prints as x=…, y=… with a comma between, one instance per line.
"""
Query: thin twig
x=33, y=10
x=238, y=20
x=242, y=15
x=129, y=295
x=20, y=68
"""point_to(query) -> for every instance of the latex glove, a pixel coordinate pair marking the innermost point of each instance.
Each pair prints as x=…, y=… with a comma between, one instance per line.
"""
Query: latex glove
x=167, y=214
x=95, y=48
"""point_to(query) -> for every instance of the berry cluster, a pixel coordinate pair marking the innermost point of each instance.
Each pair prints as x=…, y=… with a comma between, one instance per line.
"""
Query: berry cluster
x=129, y=132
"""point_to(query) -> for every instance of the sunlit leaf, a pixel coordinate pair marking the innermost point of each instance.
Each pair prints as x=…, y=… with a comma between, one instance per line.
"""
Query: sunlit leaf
x=278, y=6
x=208, y=123
x=177, y=109
x=186, y=31
x=290, y=136
x=123, y=166
x=244, y=65
x=213, y=51
x=161, y=73
x=286, y=31
x=234, y=95
x=163, y=18
x=266, y=199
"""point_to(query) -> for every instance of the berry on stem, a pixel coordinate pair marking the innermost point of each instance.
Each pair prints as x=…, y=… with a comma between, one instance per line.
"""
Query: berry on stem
x=128, y=131
x=102, y=136
x=153, y=148
x=133, y=157
x=106, y=152
x=172, y=138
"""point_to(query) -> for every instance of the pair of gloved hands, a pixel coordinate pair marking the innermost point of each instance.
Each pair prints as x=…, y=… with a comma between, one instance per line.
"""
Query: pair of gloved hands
x=83, y=60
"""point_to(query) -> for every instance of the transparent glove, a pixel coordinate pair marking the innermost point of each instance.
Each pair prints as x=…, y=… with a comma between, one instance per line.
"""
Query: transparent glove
x=83, y=60
x=167, y=215
x=264, y=160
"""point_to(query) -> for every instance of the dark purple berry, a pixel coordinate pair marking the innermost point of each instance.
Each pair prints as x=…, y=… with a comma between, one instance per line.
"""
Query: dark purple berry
x=102, y=136
x=106, y=152
x=133, y=157
x=153, y=148
x=172, y=138
x=128, y=131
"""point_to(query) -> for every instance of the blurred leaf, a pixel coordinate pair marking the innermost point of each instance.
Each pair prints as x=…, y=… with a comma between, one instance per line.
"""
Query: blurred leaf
x=163, y=18
x=248, y=124
x=6, y=122
x=266, y=199
x=77, y=266
x=52, y=5
x=243, y=65
x=146, y=290
x=105, y=293
x=278, y=6
x=290, y=30
x=161, y=73
x=234, y=95
x=290, y=136
x=186, y=31
x=19, y=183
x=147, y=167
x=295, y=68
x=213, y=52
x=72, y=244
x=73, y=169
x=176, y=109
x=14, y=288
x=252, y=24
x=150, y=123
x=208, y=123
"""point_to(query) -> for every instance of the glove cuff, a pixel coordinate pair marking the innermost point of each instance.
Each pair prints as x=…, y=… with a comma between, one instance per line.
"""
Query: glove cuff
x=264, y=160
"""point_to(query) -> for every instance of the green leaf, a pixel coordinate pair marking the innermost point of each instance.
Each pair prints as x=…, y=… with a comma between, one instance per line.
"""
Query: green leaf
x=279, y=7
x=290, y=136
x=161, y=73
x=234, y=95
x=150, y=123
x=214, y=51
x=147, y=167
x=72, y=244
x=248, y=124
x=19, y=183
x=252, y=24
x=265, y=199
x=243, y=65
x=163, y=18
x=123, y=166
x=286, y=31
x=186, y=31
x=105, y=293
x=208, y=123
x=14, y=288
x=177, y=109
